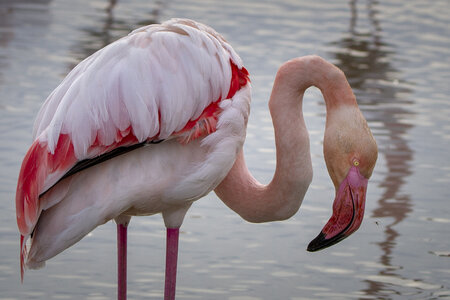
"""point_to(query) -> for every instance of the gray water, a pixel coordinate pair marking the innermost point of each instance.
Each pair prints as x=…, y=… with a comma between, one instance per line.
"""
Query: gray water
x=396, y=55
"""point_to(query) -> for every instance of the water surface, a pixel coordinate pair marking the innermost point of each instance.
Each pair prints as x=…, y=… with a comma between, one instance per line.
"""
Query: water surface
x=396, y=55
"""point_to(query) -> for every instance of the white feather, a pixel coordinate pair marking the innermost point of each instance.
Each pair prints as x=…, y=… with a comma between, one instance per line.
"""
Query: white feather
x=177, y=69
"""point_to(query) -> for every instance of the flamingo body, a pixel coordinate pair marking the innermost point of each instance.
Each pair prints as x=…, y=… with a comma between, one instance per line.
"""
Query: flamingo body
x=179, y=82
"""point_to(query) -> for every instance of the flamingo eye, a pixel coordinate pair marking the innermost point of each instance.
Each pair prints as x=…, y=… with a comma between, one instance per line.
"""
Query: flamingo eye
x=356, y=163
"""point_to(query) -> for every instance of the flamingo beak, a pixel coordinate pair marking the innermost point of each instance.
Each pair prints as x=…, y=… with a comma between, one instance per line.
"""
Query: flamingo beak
x=348, y=211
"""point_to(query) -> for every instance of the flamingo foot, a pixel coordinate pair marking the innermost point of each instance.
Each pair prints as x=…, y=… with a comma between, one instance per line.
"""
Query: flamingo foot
x=171, y=263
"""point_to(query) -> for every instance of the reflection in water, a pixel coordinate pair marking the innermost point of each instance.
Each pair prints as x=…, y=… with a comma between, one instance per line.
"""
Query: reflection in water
x=112, y=28
x=15, y=17
x=6, y=35
x=365, y=59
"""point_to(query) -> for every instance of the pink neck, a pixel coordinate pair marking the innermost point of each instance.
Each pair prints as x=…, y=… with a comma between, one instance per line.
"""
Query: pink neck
x=282, y=197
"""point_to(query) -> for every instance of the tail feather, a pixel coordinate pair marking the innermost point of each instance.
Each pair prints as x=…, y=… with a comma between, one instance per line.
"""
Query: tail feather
x=37, y=165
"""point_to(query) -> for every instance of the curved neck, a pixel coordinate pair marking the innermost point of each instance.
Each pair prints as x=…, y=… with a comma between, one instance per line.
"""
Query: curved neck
x=282, y=197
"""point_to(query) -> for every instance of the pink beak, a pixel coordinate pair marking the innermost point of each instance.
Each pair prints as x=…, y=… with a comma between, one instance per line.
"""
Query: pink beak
x=348, y=211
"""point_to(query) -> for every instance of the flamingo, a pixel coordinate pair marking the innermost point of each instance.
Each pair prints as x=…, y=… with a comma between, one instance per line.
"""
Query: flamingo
x=157, y=120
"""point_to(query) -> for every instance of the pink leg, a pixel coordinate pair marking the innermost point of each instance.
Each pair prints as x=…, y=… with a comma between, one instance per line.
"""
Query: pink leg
x=122, y=261
x=171, y=263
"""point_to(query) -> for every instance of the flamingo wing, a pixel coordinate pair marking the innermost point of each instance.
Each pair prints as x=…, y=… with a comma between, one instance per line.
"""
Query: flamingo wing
x=159, y=82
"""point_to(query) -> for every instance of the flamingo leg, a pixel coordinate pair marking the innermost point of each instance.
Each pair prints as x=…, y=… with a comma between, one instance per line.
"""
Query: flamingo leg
x=171, y=263
x=122, y=261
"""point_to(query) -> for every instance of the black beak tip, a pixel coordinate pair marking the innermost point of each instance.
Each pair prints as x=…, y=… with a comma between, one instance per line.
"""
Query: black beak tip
x=320, y=242
x=315, y=244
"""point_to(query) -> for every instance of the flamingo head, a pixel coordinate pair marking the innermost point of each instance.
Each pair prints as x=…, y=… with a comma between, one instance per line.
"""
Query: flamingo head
x=350, y=153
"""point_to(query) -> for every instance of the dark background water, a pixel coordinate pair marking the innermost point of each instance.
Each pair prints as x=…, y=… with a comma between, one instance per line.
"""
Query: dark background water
x=396, y=55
